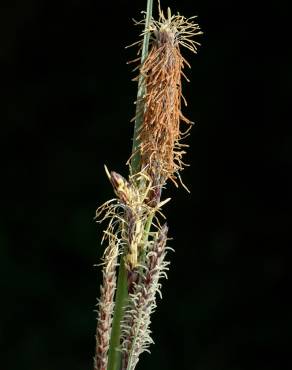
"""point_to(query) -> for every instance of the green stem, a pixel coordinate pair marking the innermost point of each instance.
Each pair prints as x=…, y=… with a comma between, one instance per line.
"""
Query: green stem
x=147, y=228
x=135, y=162
x=114, y=355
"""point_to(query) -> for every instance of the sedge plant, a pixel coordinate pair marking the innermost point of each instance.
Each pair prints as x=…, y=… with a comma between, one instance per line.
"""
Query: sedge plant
x=134, y=260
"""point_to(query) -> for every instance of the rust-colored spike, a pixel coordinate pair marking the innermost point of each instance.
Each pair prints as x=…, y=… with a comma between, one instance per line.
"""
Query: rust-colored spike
x=160, y=134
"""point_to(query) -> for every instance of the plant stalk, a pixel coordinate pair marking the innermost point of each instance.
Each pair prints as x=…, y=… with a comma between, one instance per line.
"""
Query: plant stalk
x=114, y=355
x=135, y=162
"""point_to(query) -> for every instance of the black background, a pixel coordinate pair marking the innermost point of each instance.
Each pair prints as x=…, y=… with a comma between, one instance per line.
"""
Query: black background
x=66, y=103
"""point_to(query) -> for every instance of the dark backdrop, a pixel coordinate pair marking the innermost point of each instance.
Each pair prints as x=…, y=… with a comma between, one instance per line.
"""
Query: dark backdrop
x=66, y=102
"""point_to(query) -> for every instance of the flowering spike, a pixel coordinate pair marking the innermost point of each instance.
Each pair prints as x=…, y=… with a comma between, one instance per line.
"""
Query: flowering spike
x=160, y=134
x=106, y=304
x=142, y=302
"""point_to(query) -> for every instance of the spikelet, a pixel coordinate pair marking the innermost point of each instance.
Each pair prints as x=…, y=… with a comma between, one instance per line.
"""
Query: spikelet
x=135, y=326
x=106, y=304
x=160, y=136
